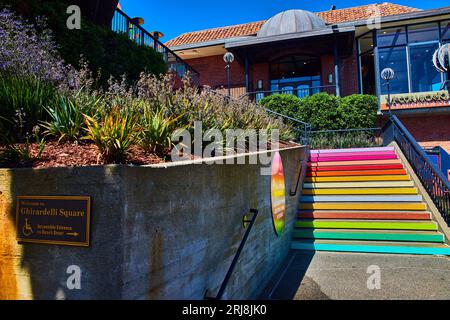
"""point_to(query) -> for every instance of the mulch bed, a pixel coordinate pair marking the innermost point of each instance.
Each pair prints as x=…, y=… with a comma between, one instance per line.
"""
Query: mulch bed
x=78, y=155
x=58, y=154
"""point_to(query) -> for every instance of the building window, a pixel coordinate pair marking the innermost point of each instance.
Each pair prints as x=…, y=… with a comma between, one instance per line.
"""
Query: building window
x=445, y=30
x=297, y=75
x=424, y=76
x=408, y=51
x=392, y=37
x=423, y=33
x=367, y=64
x=395, y=58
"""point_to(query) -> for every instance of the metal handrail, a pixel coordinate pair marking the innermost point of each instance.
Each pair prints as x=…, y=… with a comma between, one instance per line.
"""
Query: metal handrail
x=306, y=127
x=433, y=180
x=284, y=90
x=154, y=43
x=225, y=282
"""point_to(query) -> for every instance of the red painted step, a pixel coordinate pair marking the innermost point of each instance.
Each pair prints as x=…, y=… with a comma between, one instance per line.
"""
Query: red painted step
x=355, y=168
x=365, y=215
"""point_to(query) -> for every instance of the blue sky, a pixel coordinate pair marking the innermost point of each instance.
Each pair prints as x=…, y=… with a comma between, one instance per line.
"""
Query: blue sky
x=176, y=17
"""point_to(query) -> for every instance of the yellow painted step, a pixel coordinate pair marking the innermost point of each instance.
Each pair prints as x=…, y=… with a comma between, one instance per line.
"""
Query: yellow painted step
x=360, y=178
x=358, y=191
x=363, y=206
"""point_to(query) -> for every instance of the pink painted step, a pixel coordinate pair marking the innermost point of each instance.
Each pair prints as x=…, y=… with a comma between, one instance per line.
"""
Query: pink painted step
x=354, y=154
x=382, y=149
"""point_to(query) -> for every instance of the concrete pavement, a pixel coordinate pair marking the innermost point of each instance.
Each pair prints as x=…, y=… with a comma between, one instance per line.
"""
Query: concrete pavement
x=344, y=276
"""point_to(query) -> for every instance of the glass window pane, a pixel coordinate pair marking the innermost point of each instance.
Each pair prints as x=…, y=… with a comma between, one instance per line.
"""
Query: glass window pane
x=368, y=73
x=391, y=37
x=424, y=76
x=423, y=33
x=445, y=28
x=395, y=58
x=366, y=43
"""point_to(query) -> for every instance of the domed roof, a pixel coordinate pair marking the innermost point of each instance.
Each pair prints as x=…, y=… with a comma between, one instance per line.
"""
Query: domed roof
x=291, y=21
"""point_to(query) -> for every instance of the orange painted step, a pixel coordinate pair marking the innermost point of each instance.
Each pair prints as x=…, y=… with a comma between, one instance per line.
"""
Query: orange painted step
x=364, y=215
x=357, y=173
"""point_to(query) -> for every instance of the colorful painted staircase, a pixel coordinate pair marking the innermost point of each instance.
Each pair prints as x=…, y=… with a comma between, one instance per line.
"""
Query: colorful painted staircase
x=364, y=200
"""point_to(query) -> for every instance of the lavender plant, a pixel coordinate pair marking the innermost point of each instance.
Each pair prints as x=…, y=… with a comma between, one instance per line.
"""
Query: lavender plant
x=26, y=52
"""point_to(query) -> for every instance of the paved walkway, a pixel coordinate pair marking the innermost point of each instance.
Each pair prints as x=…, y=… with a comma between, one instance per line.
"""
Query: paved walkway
x=342, y=276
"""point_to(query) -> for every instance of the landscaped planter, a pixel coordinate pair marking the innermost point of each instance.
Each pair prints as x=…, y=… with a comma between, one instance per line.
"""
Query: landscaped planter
x=166, y=231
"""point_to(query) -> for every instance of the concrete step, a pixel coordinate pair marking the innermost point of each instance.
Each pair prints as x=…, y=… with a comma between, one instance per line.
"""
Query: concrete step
x=368, y=224
x=365, y=215
x=365, y=206
x=359, y=178
x=349, y=185
x=371, y=247
x=369, y=235
x=363, y=198
x=358, y=191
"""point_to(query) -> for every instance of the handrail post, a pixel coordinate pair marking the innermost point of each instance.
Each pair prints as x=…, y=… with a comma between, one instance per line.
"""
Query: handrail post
x=236, y=257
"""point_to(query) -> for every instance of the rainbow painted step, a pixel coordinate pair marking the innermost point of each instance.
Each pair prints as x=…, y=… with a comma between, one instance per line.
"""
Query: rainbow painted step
x=370, y=235
x=359, y=178
x=413, y=248
x=364, y=215
x=367, y=225
x=357, y=184
x=357, y=167
x=364, y=200
x=364, y=206
x=357, y=173
x=361, y=191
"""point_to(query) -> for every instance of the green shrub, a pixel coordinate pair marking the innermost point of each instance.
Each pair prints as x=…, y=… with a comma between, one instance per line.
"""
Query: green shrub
x=23, y=101
x=114, y=133
x=359, y=111
x=13, y=154
x=157, y=131
x=321, y=111
x=327, y=112
x=286, y=104
x=67, y=121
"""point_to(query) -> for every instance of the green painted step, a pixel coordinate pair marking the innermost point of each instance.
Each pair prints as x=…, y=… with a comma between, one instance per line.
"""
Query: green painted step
x=369, y=225
x=370, y=235
x=371, y=247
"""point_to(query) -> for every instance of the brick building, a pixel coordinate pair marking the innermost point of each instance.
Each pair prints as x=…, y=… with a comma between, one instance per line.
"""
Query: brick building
x=342, y=52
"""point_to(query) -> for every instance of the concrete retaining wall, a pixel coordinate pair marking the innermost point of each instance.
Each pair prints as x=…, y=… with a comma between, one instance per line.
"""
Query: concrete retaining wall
x=157, y=232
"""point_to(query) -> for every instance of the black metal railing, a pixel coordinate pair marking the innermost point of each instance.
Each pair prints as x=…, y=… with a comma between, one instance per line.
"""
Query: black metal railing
x=348, y=138
x=435, y=183
x=299, y=92
x=300, y=129
x=122, y=23
x=248, y=223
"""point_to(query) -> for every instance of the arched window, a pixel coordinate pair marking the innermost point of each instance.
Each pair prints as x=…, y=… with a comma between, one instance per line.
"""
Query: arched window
x=298, y=75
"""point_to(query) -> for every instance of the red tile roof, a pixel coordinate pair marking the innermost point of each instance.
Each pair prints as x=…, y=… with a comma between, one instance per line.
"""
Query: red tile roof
x=330, y=17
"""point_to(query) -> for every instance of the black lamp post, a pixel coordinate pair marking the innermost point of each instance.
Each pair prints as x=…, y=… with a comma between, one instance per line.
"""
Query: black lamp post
x=229, y=59
x=441, y=61
x=387, y=75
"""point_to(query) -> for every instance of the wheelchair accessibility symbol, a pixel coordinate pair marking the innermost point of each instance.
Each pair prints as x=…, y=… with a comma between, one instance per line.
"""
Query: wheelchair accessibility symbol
x=27, y=230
